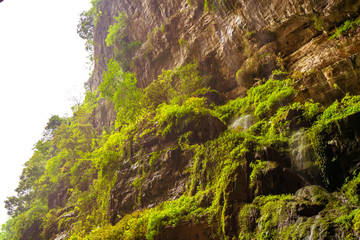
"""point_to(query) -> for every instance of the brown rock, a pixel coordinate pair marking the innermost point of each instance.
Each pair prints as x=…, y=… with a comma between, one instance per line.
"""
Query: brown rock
x=246, y=35
x=187, y=231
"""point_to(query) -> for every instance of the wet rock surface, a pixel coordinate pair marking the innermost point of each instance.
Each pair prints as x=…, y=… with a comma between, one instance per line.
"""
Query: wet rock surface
x=342, y=149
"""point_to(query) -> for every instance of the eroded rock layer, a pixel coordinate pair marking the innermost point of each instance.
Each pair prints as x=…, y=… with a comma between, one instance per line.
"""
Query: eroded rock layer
x=240, y=121
x=243, y=37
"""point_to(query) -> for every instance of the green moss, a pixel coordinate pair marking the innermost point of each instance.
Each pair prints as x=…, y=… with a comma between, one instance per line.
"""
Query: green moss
x=262, y=100
x=346, y=28
x=275, y=217
x=148, y=223
x=114, y=32
x=351, y=190
x=174, y=117
x=327, y=124
x=256, y=166
x=183, y=42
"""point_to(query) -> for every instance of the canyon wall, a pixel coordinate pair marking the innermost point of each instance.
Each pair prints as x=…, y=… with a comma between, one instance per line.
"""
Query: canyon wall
x=237, y=43
x=242, y=123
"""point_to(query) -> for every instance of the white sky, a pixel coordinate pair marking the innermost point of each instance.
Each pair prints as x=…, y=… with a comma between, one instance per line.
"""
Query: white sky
x=42, y=67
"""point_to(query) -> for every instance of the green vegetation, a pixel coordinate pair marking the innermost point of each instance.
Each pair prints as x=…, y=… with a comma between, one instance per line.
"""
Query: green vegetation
x=114, y=32
x=268, y=216
x=209, y=4
x=216, y=5
x=88, y=21
x=74, y=159
x=124, y=48
x=147, y=223
x=183, y=43
x=346, y=28
x=263, y=100
x=120, y=87
x=68, y=184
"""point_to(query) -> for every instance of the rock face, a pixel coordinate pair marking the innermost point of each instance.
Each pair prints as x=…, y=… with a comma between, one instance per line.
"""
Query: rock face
x=245, y=36
x=244, y=138
x=236, y=44
x=159, y=173
x=187, y=231
x=342, y=147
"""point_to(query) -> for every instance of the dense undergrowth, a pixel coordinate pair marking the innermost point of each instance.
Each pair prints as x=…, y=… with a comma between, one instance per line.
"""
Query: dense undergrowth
x=76, y=160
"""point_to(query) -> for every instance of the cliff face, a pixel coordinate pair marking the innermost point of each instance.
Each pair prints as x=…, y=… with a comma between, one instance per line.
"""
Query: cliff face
x=243, y=37
x=236, y=44
x=240, y=122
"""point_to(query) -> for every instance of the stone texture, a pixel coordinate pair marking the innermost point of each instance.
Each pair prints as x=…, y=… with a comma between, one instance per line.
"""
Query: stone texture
x=230, y=38
x=236, y=45
x=341, y=149
x=187, y=231
x=104, y=116
x=163, y=180
x=164, y=177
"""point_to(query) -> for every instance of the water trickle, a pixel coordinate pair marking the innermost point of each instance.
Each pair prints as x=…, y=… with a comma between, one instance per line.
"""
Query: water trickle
x=301, y=151
x=312, y=231
x=244, y=122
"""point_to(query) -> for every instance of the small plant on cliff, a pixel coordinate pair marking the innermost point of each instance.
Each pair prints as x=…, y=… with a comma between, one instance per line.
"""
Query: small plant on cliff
x=209, y=4
x=86, y=29
x=347, y=27
x=88, y=21
x=116, y=29
x=262, y=100
x=120, y=87
x=216, y=5
x=116, y=37
x=183, y=42
x=175, y=86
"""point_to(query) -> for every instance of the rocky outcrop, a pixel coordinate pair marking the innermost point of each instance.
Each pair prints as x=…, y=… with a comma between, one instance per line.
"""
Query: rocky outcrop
x=184, y=161
x=330, y=67
x=155, y=169
x=341, y=149
x=237, y=45
x=247, y=35
x=151, y=185
x=187, y=231
x=104, y=116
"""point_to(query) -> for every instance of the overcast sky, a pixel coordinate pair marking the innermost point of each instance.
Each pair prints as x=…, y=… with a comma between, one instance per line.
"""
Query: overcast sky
x=42, y=68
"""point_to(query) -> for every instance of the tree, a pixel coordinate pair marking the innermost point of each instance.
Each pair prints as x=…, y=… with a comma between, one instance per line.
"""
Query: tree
x=54, y=122
x=120, y=87
x=85, y=28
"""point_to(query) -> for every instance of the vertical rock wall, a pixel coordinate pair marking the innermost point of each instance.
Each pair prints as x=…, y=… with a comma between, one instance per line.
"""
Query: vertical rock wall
x=245, y=35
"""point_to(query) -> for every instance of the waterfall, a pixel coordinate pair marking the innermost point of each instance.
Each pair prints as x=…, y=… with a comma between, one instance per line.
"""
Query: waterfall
x=244, y=122
x=301, y=151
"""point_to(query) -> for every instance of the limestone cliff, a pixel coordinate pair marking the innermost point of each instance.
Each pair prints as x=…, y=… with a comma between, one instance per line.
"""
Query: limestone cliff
x=237, y=35
x=239, y=122
x=236, y=44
